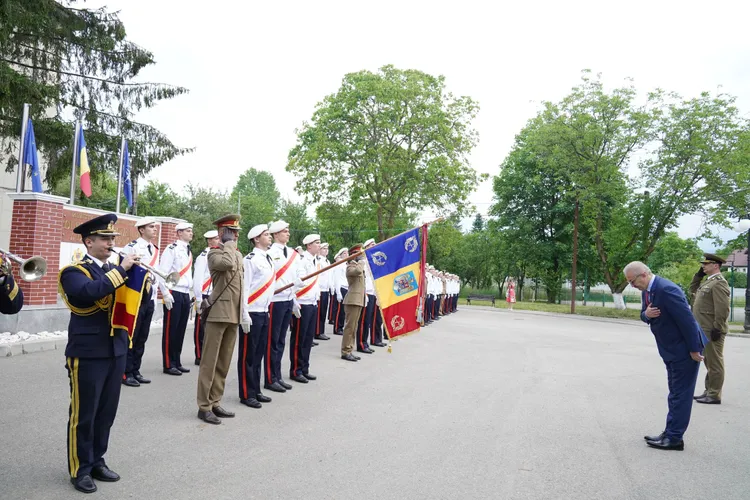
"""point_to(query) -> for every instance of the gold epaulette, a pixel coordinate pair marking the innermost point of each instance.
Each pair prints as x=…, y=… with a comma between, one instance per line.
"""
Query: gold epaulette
x=102, y=304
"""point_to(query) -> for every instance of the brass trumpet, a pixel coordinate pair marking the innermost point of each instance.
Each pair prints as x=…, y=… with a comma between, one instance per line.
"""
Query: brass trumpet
x=32, y=268
x=170, y=279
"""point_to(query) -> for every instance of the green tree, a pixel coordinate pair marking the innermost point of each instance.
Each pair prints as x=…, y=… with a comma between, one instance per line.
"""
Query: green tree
x=201, y=207
x=159, y=200
x=258, y=197
x=394, y=139
x=66, y=61
x=300, y=224
x=445, y=246
x=671, y=249
x=478, y=224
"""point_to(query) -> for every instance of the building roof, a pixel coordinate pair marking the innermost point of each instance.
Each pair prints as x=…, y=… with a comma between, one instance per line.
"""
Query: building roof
x=739, y=257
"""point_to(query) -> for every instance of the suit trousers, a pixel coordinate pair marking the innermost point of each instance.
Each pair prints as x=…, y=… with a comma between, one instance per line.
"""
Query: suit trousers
x=175, y=323
x=199, y=332
x=714, y=359
x=365, y=324
x=279, y=317
x=350, y=328
x=681, y=378
x=377, y=327
x=300, y=343
x=251, y=351
x=332, y=310
x=140, y=336
x=218, y=348
x=95, y=385
x=322, y=312
x=428, y=309
x=341, y=311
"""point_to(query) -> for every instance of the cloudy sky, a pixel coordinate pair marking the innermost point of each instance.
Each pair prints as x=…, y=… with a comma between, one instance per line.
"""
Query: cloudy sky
x=256, y=70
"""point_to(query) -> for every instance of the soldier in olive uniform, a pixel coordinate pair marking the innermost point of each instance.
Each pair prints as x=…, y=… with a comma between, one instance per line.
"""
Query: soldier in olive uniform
x=711, y=310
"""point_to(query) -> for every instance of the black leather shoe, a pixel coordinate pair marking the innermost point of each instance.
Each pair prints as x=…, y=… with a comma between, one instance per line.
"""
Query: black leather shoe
x=314, y=343
x=365, y=351
x=105, y=474
x=356, y=357
x=275, y=387
x=131, y=382
x=339, y=332
x=654, y=438
x=348, y=357
x=83, y=483
x=209, y=417
x=141, y=379
x=252, y=403
x=667, y=444
x=221, y=412
x=197, y=361
x=309, y=376
x=299, y=378
x=172, y=371
x=183, y=369
x=323, y=336
x=380, y=344
x=283, y=384
x=708, y=400
x=700, y=396
x=263, y=398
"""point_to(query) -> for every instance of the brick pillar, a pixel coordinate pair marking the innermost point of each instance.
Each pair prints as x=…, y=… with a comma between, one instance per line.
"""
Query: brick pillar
x=36, y=230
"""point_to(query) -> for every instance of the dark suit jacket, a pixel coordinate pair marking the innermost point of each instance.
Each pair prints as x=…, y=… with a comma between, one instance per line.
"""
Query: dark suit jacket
x=11, y=296
x=89, y=294
x=676, y=332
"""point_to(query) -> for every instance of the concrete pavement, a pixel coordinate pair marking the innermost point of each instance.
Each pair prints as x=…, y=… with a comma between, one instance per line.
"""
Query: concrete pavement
x=482, y=404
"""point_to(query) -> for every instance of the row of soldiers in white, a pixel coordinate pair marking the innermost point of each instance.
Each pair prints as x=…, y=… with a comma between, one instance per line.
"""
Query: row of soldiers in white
x=271, y=265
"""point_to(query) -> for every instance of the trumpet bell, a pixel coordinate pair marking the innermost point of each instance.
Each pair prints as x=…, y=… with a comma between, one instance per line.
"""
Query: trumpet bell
x=172, y=279
x=33, y=269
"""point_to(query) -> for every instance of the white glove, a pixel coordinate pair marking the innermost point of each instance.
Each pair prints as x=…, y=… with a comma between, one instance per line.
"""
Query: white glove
x=246, y=323
x=298, y=283
x=168, y=301
x=339, y=297
x=198, y=304
x=296, y=310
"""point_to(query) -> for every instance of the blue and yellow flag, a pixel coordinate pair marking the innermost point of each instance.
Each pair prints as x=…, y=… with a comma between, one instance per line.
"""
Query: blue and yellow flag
x=128, y=300
x=396, y=267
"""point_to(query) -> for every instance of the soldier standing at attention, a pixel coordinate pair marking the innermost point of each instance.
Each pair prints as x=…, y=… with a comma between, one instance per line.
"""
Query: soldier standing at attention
x=202, y=289
x=177, y=257
x=304, y=326
x=354, y=302
x=95, y=354
x=340, y=289
x=325, y=293
x=711, y=311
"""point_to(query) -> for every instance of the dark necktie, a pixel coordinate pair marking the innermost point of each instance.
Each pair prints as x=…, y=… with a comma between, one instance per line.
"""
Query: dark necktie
x=285, y=252
x=106, y=267
x=189, y=251
x=149, y=249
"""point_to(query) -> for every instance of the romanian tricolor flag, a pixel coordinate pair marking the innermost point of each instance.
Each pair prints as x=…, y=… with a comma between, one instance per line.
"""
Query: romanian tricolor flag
x=82, y=162
x=128, y=300
x=397, y=266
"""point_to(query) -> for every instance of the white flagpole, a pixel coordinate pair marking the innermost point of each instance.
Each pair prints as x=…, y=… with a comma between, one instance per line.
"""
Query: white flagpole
x=73, y=170
x=21, y=173
x=119, y=175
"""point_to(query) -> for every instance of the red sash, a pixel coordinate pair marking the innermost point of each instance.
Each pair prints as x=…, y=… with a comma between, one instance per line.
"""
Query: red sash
x=153, y=259
x=206, y=284
x=300, y=293
x=257, y=293
x=286, y=266
x=187, y=268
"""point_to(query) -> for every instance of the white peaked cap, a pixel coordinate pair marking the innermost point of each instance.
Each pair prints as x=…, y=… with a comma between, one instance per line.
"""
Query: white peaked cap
x=324, y=245
x=310, y=238
x=256, y=231
x=183, y=225
x=277, y=226
x=371, y=240
x=146, y=221
x=340, y=252
x=211, y=234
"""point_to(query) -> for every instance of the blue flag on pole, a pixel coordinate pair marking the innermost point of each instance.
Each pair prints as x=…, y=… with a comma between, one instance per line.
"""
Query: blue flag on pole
x=126, y=185
x=31, y=159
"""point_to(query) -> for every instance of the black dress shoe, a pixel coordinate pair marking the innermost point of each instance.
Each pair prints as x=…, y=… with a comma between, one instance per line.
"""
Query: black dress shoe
x=365, y=351
x=141, y=379
x=356, y=357
x=339, y=332
x=708, y=400
x=654, y=438
x=221, y=412
x=700, y=396
x=172, y=371
x=275, y=387
x=252, y=403
x=314, y=343
x=209, y=417
x=380, y=344
x=309, y=376
x=263, y=398
x=83, y=483
x=283, y=384
x=104, y=473
x=348, y=357
x=131, y=382
x=323, y=336
x=299, y=378
x=197, y=361
x=183, y=369
x=667, y=444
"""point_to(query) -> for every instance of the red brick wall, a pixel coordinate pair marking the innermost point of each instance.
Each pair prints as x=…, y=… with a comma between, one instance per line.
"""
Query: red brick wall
x=36, y=229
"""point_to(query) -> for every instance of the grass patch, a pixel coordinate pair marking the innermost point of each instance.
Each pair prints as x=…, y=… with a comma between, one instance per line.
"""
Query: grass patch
x=601, y=312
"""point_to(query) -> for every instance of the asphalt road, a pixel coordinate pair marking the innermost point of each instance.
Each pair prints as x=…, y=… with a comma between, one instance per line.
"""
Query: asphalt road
x=482, y=404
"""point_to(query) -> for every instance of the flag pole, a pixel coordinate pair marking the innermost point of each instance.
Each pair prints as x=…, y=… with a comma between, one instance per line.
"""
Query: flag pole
x=352, y=257
x=20, y=175
x=73, y=170
x=119, y=175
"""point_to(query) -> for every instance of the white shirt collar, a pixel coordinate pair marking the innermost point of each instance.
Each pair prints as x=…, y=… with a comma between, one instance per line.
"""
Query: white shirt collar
x=182, y=243
x=98, y=262
x=258, y=251
x=279, y=246
x=651, y=283
x=144, y=242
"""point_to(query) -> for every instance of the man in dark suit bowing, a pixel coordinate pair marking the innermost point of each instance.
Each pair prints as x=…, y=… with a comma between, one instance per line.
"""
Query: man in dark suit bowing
x=680, y=342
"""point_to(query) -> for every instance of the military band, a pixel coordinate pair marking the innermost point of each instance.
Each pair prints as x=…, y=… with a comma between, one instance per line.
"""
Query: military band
x=11, y=295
